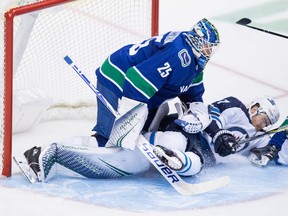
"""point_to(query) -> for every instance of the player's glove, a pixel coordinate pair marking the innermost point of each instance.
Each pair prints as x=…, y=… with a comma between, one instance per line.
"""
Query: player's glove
x=194, y=119
x=190, y=123
x=224, y=143
x=261, y=156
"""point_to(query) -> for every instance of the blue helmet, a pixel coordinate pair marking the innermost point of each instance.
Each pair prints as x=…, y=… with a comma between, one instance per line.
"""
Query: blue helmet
x=204, y=40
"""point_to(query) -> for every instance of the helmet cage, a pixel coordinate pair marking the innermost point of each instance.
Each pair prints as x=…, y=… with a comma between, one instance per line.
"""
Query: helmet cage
x=204, y=47
x=204, y=40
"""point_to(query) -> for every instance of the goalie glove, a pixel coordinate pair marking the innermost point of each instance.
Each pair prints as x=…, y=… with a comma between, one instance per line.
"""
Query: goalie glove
x=261, y=156
x=193, y=120
x=190, y=124
x=224, y=143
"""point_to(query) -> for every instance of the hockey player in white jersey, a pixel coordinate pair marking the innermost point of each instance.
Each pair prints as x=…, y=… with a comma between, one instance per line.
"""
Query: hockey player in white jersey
x=232, y=122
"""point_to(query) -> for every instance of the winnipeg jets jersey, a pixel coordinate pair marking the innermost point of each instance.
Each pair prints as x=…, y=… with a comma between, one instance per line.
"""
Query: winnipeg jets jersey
x=231, y=114
x=160, y=68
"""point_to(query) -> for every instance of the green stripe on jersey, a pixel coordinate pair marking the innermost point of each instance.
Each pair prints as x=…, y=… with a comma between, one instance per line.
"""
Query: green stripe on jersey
x=198, y=79
x=285, y=122
x=113, y=73
x=140, y=83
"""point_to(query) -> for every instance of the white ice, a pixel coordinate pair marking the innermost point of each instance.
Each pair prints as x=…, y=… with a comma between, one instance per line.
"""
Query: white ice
x=249, y=63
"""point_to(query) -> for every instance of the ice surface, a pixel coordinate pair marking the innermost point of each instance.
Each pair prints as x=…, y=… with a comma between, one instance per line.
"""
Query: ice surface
x=249, y=63
x=151, y=192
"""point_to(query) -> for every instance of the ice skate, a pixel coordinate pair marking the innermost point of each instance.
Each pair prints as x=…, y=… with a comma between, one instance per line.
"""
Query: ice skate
x=29, y=164
x=168, y=157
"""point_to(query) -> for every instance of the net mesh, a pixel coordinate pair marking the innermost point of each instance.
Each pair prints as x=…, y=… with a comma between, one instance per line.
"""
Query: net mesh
x=86, y=30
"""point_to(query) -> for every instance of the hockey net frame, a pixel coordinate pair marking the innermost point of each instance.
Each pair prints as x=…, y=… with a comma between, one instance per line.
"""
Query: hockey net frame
x=6, y=93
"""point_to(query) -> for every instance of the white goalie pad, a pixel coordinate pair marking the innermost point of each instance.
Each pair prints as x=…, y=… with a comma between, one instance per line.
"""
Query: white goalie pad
x=127, y=128
x=29, y=106
x=91, y=162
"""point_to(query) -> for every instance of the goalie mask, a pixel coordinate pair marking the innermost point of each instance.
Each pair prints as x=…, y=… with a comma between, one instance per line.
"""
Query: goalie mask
x=266, y=106
x=204, y=40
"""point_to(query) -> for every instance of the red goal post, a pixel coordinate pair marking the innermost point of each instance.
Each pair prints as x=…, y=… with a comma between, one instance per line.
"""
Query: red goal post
x=49, y=29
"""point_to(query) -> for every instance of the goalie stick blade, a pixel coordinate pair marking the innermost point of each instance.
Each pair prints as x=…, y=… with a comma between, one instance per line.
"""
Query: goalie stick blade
x=24, y=167
x=174, y=179
x=127, y=127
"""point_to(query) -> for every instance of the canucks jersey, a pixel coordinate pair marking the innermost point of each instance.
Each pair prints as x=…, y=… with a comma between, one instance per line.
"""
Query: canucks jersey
x=280, y=140
x=160, y=68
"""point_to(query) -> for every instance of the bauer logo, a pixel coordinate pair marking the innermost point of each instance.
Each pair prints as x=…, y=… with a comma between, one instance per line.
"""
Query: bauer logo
x=166, y=171
x=184, y=58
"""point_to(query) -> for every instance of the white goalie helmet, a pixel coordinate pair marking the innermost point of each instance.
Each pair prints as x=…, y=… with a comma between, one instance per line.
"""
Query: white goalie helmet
x=266, y=105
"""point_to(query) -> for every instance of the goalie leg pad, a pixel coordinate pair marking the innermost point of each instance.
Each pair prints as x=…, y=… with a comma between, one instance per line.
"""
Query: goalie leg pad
x=91, y=162
x=47, y=162
x=127, y=128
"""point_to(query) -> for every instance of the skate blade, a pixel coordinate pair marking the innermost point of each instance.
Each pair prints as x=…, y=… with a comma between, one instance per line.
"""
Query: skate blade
x=26, y=170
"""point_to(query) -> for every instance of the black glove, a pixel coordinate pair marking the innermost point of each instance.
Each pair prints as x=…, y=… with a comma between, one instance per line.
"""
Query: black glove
x=224, y=143
x=261, y=156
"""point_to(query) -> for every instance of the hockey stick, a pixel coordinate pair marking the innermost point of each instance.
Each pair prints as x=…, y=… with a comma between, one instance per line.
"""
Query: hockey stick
x=91, y=86
x=146, y=148
x=246, y=21
x=283, y=127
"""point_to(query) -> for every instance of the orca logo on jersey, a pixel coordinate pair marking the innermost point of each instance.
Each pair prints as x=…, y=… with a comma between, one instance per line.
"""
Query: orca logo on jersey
x=184, y=58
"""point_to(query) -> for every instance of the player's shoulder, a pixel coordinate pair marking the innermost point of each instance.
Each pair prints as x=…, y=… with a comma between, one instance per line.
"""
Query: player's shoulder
x=234, y=100
x=229, y=102
x=175, y=38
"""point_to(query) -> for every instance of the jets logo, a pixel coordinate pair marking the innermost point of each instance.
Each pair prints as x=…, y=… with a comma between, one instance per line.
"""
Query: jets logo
x=240, y=133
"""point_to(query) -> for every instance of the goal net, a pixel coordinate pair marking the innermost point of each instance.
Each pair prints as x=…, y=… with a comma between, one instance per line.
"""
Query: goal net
x=35, y=35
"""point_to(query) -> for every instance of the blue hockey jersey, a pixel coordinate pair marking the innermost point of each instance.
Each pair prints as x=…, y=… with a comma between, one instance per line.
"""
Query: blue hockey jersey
x=280, y=140
x=160, y=68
